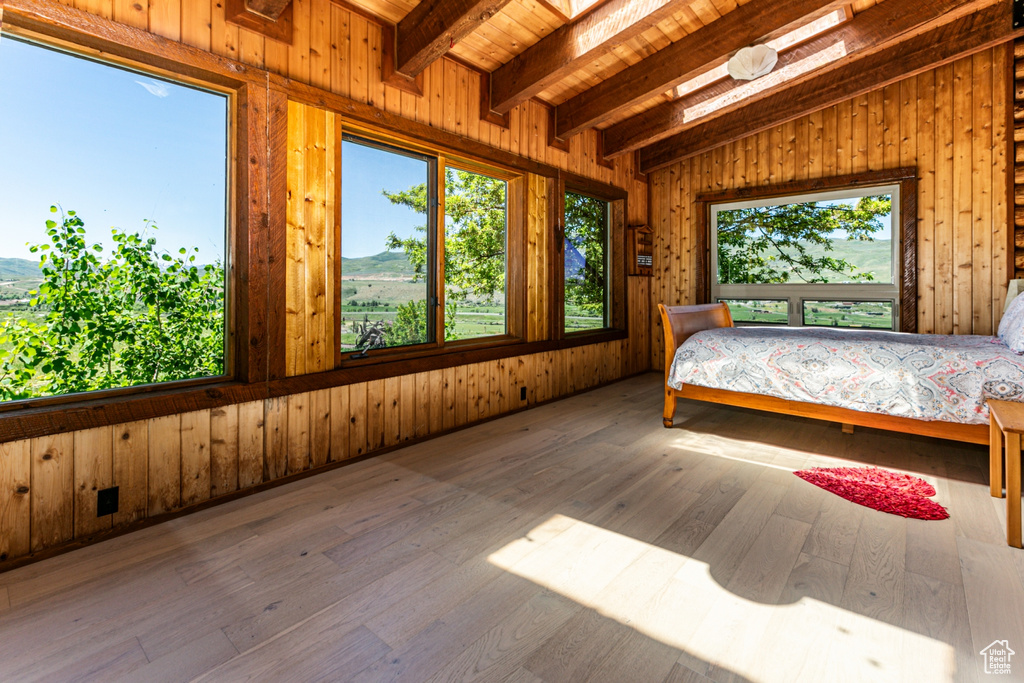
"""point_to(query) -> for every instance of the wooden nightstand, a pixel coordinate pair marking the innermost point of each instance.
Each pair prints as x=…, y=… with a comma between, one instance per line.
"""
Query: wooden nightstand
x=1006, y=424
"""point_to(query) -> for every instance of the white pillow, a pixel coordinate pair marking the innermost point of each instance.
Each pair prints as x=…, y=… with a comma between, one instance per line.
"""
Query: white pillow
x=1011, y=327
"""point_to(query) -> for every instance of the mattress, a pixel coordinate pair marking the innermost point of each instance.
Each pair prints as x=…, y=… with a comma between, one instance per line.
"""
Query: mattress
x=921, y=376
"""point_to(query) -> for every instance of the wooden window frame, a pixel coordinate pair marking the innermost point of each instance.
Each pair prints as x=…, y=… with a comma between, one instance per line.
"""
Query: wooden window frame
x=617, y=314
x=515, y=250
x=245, y=340
x=905, y=178
x=515, y=239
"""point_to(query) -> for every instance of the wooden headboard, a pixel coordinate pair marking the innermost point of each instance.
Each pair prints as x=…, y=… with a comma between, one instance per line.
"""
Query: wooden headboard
x=682, y=322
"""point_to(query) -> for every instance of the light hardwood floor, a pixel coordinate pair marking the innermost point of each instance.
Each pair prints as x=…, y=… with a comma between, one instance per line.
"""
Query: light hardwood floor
x=579, y=541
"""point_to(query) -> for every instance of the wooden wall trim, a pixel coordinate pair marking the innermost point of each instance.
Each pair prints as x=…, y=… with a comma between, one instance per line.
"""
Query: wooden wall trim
x=277, y=227
x=116, y=41
x=906, y=178
x=250, y=263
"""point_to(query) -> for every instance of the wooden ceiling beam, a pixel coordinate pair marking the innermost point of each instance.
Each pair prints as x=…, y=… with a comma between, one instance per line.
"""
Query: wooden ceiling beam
x=869, y=32
x=695, y=53
x=567, y=49
x=967, y=35
x=434, y=26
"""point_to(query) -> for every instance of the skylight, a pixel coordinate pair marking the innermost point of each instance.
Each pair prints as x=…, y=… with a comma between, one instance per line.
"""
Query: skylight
x=786, y=41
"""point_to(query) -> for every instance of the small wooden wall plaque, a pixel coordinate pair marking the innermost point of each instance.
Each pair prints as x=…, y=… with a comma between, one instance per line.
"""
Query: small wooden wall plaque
x=641, y=250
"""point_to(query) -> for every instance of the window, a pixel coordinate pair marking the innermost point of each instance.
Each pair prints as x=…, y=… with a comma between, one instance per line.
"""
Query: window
x=586, y=252
x=829, y=258
x=475, y=239
x=113, y=225
x=394, y=290
x=760, y=311
x=386, y=246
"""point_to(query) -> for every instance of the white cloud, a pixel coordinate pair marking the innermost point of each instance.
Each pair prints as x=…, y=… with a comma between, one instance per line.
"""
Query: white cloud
x=157, y=89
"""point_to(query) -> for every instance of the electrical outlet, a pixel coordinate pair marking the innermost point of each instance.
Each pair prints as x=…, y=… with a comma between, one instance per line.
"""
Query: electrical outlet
x=522, y=393
x=106, y=502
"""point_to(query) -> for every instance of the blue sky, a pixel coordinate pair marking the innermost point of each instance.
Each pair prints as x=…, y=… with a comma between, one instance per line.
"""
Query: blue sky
x=366, y=215
x=118, y=147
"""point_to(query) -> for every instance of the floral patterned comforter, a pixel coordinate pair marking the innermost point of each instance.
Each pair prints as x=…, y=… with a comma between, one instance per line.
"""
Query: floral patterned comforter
x=924, y=376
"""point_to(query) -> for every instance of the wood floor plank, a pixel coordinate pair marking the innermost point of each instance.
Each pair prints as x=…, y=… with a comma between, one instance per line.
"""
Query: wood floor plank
x=204, y=652
x=629, y=596
x=993, y=590
x=938, y=610
x=442, y=640
x=834, y=532
x=110, y=663
x=931, y=550
x=802, y=502
x=522, y=675
x=766, y=567
x=876, y=582
x=497, y=653
x=402, y=621
x=724, y=547
x=331, y=653
x=814, y=577
x=683, y=674
x=576, y=650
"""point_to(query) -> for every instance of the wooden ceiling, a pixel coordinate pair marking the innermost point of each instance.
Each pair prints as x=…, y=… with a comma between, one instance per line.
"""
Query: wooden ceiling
x=614, y=64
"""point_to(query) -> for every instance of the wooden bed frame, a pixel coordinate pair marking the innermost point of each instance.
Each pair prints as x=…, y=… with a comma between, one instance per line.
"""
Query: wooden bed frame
x=681, y=322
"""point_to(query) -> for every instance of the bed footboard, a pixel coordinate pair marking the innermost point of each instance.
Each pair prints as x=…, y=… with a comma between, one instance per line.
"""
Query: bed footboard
x=679, y=324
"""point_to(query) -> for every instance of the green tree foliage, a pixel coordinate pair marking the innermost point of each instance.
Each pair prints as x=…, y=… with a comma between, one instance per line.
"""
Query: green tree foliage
x=586, y=226
x=474, y=249
x=768, y=244
x=134, y=316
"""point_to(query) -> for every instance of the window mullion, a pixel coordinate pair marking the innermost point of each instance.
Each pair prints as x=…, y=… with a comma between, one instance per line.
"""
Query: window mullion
x=437, y=267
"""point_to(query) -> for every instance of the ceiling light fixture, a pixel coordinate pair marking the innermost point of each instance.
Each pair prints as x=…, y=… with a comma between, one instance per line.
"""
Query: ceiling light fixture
x=752, y=62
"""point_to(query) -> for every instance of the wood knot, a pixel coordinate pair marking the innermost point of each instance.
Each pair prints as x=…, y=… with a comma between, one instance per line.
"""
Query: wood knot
x=126, y=436
x=47, y=456
x=22, y=490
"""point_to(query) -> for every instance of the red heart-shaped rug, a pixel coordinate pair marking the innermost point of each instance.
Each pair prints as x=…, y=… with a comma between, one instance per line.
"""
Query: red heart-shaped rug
x=878, y=489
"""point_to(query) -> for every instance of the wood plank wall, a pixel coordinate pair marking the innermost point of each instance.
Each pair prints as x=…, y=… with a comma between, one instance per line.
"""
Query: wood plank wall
x=312, y=231
x=1018, y=158
x=949, y=123
x=48, y=485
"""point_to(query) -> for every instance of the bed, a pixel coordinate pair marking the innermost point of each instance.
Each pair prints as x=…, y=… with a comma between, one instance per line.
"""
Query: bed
x=933, y=385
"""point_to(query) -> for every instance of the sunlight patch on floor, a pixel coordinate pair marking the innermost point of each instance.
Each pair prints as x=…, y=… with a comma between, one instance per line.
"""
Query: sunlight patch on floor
x=753, y=452
x=675, y=600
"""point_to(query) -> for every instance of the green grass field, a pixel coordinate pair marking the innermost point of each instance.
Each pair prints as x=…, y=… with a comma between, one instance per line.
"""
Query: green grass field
x=378, y=300
x=867, y=314
x=761, y=312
